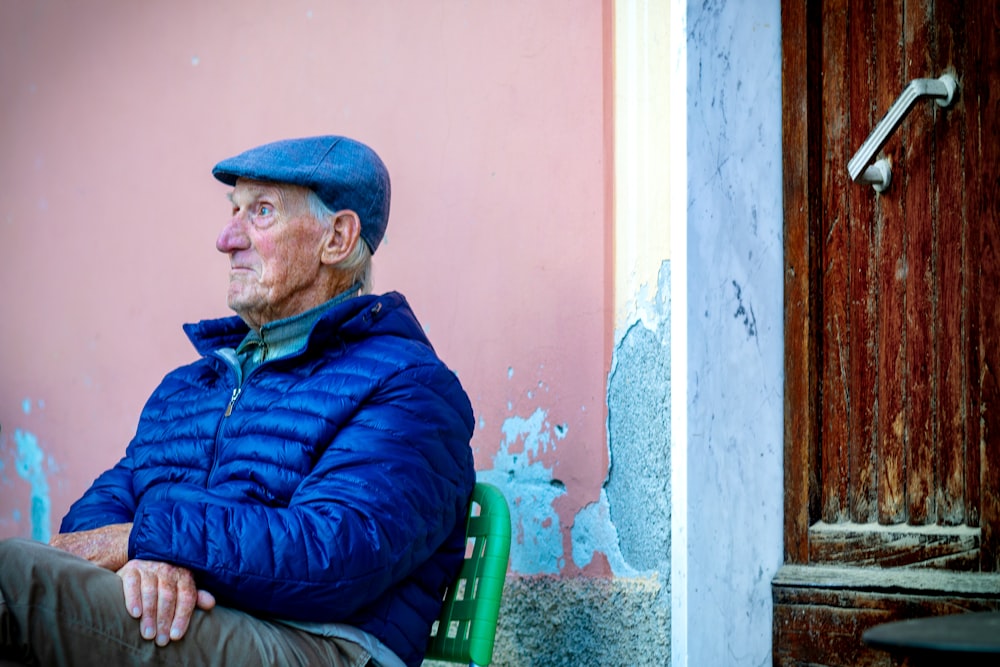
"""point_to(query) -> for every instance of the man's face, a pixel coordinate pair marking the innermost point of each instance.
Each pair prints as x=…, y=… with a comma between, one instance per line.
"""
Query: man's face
x=273, y=243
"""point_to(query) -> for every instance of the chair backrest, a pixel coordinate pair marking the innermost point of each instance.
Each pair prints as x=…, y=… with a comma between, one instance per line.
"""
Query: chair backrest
x=466, y=628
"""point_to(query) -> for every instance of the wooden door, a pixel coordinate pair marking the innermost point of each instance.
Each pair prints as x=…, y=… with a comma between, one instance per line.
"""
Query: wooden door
x=892, y=325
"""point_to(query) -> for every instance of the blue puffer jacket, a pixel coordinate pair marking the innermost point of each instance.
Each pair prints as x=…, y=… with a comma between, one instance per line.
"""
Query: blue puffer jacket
x=334, y=491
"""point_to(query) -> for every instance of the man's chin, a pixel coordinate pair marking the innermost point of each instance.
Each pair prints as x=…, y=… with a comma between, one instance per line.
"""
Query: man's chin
x=241, y=307
x=249, y=318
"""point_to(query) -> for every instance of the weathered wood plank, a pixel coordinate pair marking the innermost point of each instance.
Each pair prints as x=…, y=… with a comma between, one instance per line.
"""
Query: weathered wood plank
x=901, y=581
x=837, y=399
x=967, y=42
x=861, y=288
x=887, y=253
x=902, y=545
x=917, y=383
x=820, y=614
x=800, y=134
x=985, y=64
x=958, y=457
x=826, y=628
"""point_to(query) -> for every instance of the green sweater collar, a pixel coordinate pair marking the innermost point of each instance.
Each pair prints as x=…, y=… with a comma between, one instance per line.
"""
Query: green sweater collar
x=286, y=337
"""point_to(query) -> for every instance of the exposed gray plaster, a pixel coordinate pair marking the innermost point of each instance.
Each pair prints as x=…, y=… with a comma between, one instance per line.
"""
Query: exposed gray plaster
x=568, y=622
x=593, y=531
x=638, y=486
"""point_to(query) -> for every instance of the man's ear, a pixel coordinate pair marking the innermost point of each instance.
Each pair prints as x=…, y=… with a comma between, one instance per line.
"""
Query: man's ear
x=344, y=234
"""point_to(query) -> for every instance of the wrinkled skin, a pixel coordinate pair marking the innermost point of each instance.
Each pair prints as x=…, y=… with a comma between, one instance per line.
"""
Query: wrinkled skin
x=282, y=260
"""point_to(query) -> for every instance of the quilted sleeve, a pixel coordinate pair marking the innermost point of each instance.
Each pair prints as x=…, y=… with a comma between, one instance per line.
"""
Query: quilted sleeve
x=114, y=495
x=108, y=500
x=379, y=502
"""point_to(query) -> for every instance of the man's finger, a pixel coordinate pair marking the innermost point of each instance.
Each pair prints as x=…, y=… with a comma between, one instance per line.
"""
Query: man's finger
x=187, y=599
x=163, y=597
x=206, y=600
x=166, y=604
x=130, y=586
x=150, y=593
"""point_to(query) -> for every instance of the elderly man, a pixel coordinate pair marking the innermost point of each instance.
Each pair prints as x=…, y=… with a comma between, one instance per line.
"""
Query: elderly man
x=295, y=496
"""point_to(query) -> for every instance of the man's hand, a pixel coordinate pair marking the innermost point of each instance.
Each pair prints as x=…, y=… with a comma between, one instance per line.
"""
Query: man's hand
x=163, y=597
x=106, y=546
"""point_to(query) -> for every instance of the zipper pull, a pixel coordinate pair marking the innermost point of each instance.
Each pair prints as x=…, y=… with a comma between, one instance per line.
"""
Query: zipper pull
x=232, y=401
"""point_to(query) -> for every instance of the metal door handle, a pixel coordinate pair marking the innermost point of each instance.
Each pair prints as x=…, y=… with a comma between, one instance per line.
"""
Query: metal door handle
x=879, y=174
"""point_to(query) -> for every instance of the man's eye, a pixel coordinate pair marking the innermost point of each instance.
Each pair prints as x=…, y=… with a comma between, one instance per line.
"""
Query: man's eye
x=264, y=210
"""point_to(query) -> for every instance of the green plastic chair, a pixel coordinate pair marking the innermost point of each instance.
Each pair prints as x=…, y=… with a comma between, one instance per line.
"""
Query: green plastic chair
x=466, y=628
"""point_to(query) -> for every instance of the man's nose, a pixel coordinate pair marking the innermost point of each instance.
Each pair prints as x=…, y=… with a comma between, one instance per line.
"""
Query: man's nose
x=233, y=236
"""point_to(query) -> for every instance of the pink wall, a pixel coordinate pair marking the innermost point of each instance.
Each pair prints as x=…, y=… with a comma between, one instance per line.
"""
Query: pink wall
x=492, y=118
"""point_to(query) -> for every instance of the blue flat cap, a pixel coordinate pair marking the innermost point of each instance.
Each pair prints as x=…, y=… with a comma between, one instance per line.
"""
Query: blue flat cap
x=345, y=174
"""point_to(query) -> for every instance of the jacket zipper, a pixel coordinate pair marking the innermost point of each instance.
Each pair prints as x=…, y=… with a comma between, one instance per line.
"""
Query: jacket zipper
x=232, y=401
x=237, y=390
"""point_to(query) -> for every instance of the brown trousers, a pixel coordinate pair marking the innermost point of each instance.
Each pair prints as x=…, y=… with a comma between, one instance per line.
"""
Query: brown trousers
x=57, y=609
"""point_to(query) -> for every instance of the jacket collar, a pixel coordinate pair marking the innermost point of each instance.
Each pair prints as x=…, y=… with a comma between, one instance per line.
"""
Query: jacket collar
x=352, y=319
x=288, y=336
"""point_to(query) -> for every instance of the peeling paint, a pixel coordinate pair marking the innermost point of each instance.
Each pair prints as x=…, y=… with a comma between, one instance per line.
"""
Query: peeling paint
x=530, y=489
x=639, y=426
x=594, y=532
x=29, y=465
x=534, y=432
